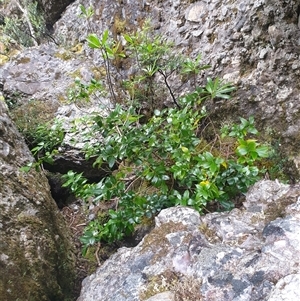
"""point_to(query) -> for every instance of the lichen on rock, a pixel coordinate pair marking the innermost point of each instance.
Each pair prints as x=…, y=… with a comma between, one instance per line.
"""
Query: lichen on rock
x=36, y=256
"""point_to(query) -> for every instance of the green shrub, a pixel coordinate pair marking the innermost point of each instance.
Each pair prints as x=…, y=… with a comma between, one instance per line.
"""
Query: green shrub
x=163, y=160
x=27, y=28
x=47, y=138
x=169, y=157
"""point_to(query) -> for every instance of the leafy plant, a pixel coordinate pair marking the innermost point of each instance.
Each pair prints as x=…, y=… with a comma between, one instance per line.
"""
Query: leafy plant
x=82, y=92
x=47, y=139
x=86, y=12
x=29, y=28
x=171, y=164
x=165, y=159
x=156, y=62
x=109, y=50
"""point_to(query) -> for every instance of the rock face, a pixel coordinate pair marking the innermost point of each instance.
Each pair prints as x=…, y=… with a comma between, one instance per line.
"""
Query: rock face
x=48, y=75
x=255, y=45
x=36, y=260
x=251, y=253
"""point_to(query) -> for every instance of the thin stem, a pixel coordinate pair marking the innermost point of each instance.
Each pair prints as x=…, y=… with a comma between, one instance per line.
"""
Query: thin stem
x=169, y=88
x=107, y=67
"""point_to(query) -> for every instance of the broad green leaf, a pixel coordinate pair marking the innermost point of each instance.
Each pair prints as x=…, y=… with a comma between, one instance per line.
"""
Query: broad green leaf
x=93, y=41
x=105, y=37
x=263, y=151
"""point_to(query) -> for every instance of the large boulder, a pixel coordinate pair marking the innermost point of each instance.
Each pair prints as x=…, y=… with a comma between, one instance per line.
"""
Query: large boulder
x=252, y=253
x=255, y=45
x=36, y=257
x=48, y=76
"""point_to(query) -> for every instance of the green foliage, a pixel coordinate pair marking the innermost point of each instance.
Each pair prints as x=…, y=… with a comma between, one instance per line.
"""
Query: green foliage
x=170, y=161
x=82, y=92
x=156, y=61
x=27, y=28
x=47, y=138
x=163, y=160
x=86, y=12
x=109, y=50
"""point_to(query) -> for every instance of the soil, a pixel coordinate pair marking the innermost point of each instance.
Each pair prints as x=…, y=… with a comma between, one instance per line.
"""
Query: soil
x=77, y=220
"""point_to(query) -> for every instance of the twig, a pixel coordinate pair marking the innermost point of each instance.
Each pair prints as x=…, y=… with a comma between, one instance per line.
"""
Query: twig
x=169, y=88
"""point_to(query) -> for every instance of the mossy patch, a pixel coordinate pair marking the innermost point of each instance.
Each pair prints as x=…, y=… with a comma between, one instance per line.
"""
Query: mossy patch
x=158, y=284
x=28, y=117
x=184, y=288
x=157, y=241
x=210, y=234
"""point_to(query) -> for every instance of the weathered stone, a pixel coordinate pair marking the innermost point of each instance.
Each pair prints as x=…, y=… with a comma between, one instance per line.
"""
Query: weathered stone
x=245, y=254
x=36, y=256
x=254, y=45
x=48, y=80
x=285, y=289
x=165, y=296
x=196, y=12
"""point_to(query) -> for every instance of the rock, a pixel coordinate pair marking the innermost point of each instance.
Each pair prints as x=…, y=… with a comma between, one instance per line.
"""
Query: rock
x=36, y=256
x=48, y=74
x=250, y=253
x=254, y=45
x=196, y=12
x=165, y=296
x=43, y=85
x=285, y=289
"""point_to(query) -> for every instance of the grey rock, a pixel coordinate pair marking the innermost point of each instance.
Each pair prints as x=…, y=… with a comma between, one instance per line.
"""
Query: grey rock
x=285, y=289
x=36, y=256
x=196, y=12
x=254, y=45
x=53, y=9
x=164, y=296
x=244, y=254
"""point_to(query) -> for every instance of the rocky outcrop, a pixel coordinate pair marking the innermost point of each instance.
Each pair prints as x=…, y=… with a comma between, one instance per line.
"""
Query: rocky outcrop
x=254, y=45
x=48, y=75
x=36, y=259
x=252, y=253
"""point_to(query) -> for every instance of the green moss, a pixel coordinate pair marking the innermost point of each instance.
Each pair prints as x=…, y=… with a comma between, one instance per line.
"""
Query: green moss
x=158, y=284
x=28, y=117
x=119, y=25
x=157, y=240
x=184, y=288
x=64, y=55
x=23, y=60
x=209, y=233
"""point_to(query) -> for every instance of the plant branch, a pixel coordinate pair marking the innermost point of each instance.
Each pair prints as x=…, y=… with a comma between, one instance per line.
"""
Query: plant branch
x=169, y=88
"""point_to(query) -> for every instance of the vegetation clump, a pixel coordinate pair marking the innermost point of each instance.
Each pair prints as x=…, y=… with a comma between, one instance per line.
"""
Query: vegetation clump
x=27, y=26
x=162, y=159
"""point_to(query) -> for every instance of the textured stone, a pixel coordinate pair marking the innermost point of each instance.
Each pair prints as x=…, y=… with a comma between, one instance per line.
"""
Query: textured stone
x=165, y=296
x=255, y=45
x=53, y=9
x=244, y=254
x=285, y=289
x=36, y=257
